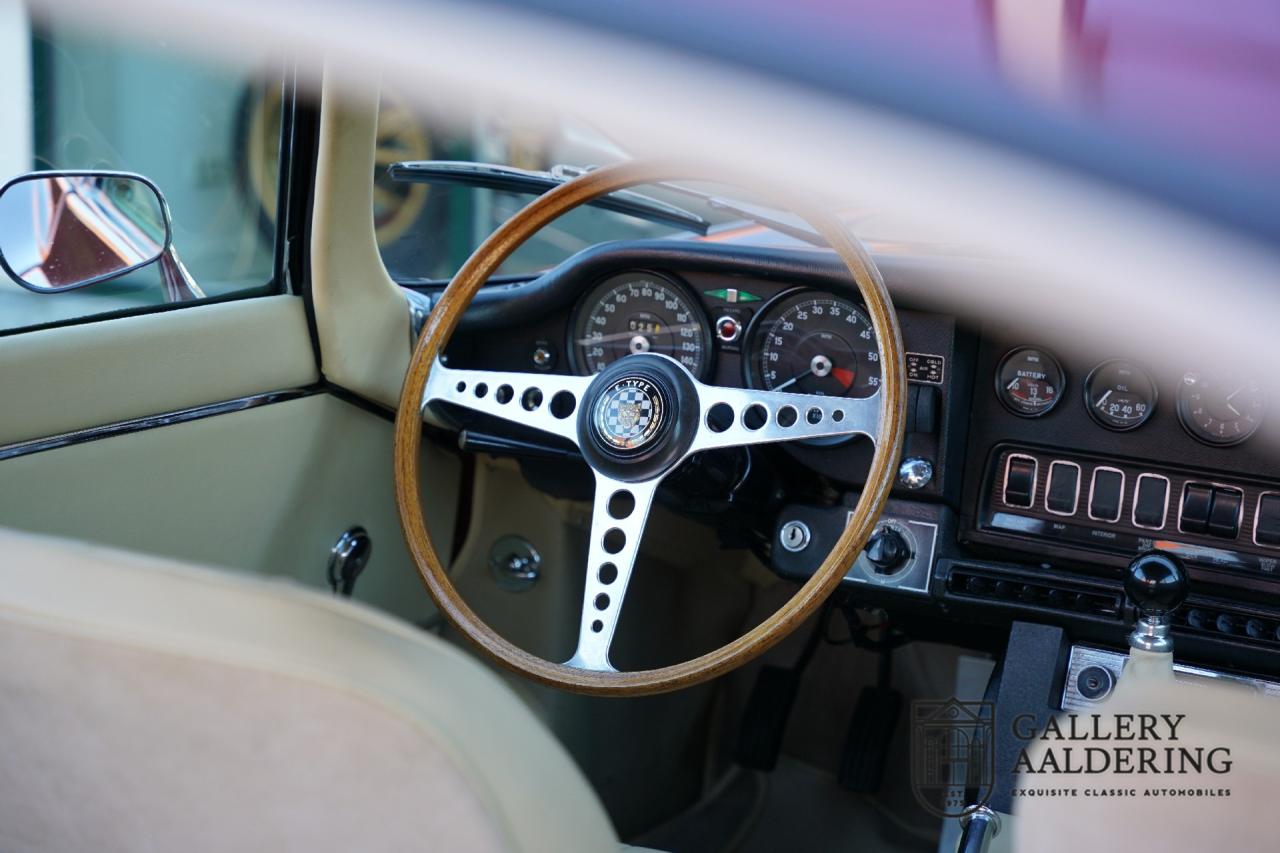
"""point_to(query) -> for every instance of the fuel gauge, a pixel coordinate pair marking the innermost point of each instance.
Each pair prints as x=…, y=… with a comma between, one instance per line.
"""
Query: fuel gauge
x=1029, y=381
x=1119, y=395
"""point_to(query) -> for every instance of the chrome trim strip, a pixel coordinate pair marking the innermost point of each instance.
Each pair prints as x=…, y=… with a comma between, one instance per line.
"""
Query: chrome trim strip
x=1137, y=487
x=111, y=430
x=1256, y=512
x=1114, y=662
x=1048, y=484
x=1035, y=479
x=1093, y=482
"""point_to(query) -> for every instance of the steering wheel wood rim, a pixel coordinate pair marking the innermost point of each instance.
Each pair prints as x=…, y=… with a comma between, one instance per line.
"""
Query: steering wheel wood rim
x=439, y=328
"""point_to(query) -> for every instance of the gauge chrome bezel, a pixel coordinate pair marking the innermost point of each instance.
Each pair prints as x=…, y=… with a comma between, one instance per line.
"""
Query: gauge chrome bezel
x=576, y=363
x=1098, y=419
x=753, y=329
x=1184, y=417
x=1000, y=390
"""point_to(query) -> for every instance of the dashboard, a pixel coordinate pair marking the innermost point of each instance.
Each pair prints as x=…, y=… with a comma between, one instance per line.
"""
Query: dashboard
x=1033, y=471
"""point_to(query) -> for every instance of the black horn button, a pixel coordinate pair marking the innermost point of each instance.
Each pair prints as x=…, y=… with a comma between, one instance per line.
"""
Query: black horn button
x=638, y=417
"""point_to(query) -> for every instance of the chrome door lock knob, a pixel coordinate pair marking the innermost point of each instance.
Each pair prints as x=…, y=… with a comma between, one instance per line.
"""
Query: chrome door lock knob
x=1157, y=585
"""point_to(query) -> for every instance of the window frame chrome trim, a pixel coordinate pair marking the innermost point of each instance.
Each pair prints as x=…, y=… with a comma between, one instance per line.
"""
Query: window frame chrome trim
x=132, y=425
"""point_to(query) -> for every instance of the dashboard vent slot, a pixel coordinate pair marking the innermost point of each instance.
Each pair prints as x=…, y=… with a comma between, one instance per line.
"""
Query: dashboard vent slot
x=1211, y=619
x=1030, y=591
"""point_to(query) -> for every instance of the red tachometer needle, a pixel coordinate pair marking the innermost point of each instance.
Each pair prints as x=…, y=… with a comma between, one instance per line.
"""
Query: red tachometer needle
x=843, y=376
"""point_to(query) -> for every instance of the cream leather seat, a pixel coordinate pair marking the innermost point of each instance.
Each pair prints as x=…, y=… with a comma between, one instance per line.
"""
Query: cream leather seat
x=147, y=705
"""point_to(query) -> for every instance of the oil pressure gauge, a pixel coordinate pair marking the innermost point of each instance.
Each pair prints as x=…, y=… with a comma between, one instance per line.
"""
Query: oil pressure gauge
x=1029, y=381
x=1119, y=395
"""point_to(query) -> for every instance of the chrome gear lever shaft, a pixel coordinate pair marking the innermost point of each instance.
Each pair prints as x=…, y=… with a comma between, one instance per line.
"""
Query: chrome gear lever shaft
x=1157, y=585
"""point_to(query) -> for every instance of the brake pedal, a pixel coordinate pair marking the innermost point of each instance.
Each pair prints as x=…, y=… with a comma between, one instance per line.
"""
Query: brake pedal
x=764, y=721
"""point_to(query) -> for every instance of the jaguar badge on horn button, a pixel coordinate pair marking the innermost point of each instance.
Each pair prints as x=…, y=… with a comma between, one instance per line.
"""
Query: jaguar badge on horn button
x=629, y=413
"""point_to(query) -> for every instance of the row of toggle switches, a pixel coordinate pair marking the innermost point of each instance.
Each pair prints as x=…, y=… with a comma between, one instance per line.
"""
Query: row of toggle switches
x=1206, y=509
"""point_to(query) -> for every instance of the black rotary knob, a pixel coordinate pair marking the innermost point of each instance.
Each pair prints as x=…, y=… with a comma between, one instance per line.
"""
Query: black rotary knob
x=1156, y=583
x=887, y=551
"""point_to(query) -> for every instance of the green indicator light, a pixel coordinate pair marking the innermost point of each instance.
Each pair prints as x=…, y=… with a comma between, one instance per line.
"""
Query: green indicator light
x=731, y=295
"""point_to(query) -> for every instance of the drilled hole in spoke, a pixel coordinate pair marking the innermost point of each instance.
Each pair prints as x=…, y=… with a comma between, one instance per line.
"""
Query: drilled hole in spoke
x=755, y=416
x=531, y=399
x=563, y=404
x=608, y=573
x=614, y=540
x=461, y=386
x=837, y=415
x=814, y=416
x=621, y=504
x=481, y=389
x=504, y=394
x=597, y=626
x=787, y=416
x=720, y=417
x=602, y=602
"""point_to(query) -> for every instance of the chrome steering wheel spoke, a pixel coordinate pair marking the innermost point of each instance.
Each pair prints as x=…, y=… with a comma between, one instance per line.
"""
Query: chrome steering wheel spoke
x=732, y=417
x=617, y=524
x=545, y=401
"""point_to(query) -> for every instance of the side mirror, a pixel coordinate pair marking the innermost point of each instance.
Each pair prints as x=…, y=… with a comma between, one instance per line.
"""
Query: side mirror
x=63, y=230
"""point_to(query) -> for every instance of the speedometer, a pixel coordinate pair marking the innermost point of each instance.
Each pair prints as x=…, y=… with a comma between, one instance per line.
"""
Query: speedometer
x=808, y=342
x=635, y=312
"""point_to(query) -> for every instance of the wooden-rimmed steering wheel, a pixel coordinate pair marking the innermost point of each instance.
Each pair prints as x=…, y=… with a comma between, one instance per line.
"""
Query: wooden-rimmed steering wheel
x=634, y=423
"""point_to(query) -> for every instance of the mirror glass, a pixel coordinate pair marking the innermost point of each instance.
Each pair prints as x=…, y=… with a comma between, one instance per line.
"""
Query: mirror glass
x=60, y=231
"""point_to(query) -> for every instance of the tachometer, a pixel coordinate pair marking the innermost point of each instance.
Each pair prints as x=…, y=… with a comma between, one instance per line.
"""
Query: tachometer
x=814, y=343
x=636, y=312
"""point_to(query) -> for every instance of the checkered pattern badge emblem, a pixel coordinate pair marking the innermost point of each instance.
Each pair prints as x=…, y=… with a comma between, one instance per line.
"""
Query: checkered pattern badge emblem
x=629, y=413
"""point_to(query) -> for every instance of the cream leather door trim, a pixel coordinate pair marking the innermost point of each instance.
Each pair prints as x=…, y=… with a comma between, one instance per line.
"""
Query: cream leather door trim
x=266, y=490
x=362, y=317
x=64, y=379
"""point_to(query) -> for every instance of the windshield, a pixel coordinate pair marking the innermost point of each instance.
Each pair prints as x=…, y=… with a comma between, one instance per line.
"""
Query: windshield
x=426, y=230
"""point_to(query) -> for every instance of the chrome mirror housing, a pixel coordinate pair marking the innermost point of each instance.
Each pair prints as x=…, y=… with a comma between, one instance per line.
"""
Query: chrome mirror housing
x=65, y=230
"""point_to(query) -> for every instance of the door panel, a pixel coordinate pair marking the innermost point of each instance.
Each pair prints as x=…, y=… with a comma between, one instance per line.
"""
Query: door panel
x=74, y=377
x=266, y=490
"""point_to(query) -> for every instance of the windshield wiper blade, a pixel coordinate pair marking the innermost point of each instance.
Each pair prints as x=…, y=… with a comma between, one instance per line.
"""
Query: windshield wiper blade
x=783, y=223
x=510, y=179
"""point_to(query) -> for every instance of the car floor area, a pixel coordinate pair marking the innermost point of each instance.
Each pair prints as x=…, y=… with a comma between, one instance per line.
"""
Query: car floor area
x=800, y=804
x=669, y=768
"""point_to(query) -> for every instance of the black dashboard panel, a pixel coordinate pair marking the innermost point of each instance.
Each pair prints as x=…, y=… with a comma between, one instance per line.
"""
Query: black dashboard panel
x=1034, y=517
x=515, y=326
x=1155, y=462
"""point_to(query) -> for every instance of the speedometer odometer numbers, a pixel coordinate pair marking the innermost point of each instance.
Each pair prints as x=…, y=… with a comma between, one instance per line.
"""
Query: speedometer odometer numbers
x=636, y=312
x=815, y=343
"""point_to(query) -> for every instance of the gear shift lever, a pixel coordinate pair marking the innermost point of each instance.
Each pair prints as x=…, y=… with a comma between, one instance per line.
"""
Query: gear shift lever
x=1157, y=585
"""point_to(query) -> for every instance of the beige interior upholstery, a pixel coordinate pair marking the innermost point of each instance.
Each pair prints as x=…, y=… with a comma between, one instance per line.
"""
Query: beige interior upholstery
x=1227, y=804
x=147, y=705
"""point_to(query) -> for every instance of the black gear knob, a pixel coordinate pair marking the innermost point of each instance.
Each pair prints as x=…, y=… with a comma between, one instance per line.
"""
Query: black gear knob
x=1157, y=585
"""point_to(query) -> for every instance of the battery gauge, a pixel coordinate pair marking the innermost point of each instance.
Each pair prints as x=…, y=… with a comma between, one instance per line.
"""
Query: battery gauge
x=1029, y=381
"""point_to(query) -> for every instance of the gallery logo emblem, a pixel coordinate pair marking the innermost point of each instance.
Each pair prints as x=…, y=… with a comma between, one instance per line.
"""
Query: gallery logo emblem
x=952, y=755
